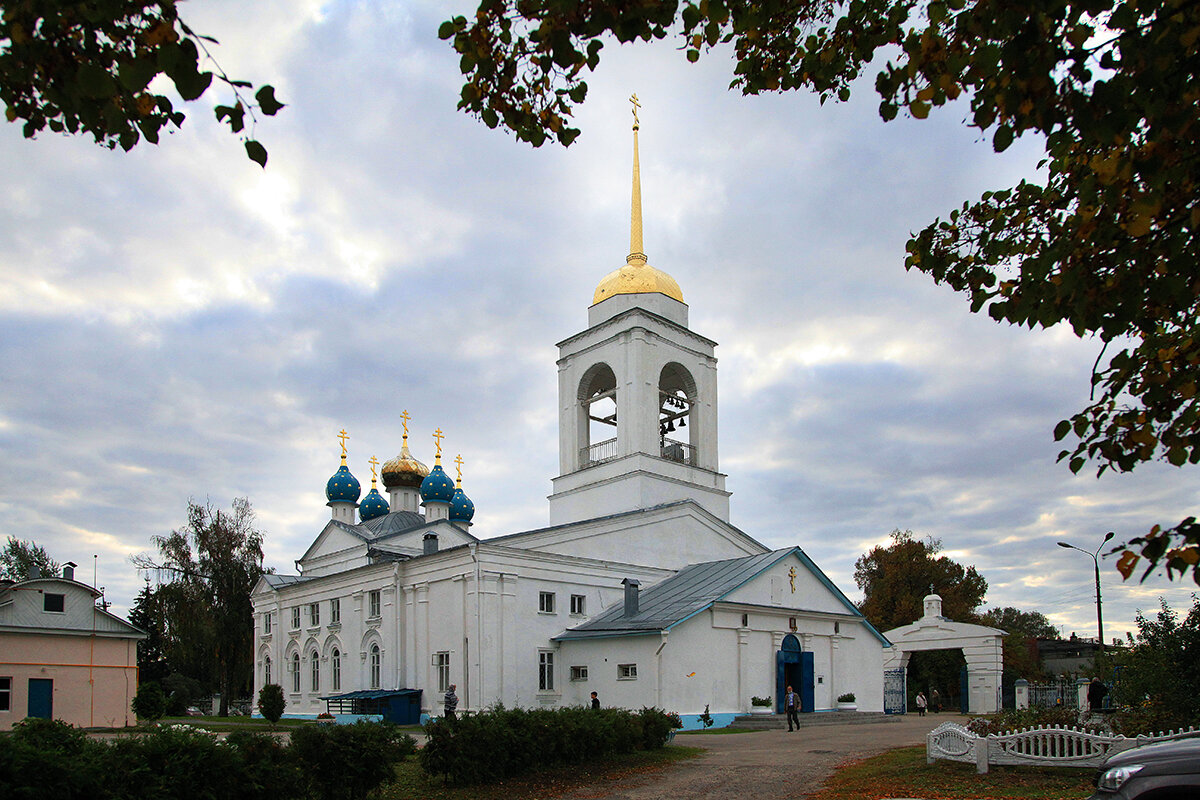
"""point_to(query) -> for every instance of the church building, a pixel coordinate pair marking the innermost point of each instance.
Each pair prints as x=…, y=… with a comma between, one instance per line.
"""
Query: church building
x=640, y=589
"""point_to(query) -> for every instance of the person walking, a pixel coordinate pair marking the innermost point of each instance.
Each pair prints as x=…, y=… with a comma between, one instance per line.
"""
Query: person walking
x=922, y=703
x=450, y=702
x=791, y=704
x=595, y=700
x=936, y=704
x=1095, y=694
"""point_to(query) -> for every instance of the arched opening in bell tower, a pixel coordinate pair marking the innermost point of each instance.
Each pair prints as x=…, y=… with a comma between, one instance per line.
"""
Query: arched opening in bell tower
x=676, y=397
x=597, y=415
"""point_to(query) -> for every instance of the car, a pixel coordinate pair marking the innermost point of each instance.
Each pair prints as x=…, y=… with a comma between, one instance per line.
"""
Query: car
x=1164, y=771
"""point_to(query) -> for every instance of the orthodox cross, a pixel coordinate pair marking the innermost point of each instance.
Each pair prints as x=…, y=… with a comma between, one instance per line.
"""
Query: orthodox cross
x=343, y=436
x=437, y=437
x=792, y=578
x=404, y=418
x=374, y=462
x=636, y=105
x=458, y=462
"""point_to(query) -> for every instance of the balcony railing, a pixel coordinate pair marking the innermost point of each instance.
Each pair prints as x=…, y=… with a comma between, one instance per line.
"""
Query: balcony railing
x=598, y=453
x=678, y=451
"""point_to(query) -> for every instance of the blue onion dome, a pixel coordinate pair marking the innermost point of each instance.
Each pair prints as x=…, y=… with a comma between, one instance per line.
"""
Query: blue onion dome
x=461, y=507
x=343, y=487
x=437, y=486
x=372, y=506
x=404, y=470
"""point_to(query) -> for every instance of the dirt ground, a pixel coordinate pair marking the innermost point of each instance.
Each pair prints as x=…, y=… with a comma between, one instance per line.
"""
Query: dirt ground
x=768, y=764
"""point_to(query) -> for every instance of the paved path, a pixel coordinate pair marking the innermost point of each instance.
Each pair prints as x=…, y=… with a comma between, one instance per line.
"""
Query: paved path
x=768, y=764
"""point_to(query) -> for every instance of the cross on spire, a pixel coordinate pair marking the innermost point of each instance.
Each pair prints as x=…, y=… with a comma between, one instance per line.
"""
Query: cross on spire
x=636, y=256
x=404, y=418
x=636, y=105
x=343, y=436
x=458, y=462
x=374, y=462
x=437, y=438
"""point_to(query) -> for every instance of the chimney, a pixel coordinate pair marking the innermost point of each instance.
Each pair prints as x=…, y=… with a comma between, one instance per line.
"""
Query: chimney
x=35, y=572
x=631, y=596
x=69, y=570
x=430, y=544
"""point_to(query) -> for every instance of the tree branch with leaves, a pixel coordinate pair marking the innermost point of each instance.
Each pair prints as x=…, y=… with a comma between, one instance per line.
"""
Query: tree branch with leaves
x=87, y=68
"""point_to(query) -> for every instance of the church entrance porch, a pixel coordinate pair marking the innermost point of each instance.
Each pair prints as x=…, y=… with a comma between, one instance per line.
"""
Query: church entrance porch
x=794, y=667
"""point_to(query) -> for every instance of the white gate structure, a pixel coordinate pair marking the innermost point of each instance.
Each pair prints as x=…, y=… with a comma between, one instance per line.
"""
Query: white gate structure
x=1053, y=746
x=982, y=647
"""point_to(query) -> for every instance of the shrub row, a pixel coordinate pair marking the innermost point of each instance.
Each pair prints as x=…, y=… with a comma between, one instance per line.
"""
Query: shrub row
x=504, y=742
x=43, y=758
x=1126, y=721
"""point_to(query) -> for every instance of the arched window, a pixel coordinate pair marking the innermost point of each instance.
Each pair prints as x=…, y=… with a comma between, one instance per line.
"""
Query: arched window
x=676, y=394
x=296, y=673
x=597, y=415
x=376, y=666
x=315, y=665
x=266, y=670
x=335, y=659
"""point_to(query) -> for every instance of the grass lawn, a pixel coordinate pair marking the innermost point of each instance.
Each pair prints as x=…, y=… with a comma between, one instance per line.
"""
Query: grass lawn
x=904, y=773
x=413, y=784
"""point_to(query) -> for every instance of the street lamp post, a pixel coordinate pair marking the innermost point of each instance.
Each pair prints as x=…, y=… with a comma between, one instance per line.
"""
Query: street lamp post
x=1096, y=561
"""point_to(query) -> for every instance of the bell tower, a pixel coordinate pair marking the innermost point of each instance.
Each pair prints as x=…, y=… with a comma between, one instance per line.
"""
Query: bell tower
x=637, y=392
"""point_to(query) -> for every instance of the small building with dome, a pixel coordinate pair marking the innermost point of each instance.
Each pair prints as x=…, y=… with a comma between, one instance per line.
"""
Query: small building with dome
x=639, y=588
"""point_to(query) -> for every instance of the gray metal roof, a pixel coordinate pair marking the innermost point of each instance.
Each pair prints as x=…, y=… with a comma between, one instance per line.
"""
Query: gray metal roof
x=278, y=581
x=393, y=522
x=692, y=589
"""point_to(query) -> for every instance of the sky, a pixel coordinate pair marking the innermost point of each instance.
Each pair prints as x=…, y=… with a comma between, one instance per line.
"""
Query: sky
x=177, y=324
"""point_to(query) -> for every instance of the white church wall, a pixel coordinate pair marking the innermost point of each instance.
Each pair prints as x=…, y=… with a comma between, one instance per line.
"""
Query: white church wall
x=789, y=583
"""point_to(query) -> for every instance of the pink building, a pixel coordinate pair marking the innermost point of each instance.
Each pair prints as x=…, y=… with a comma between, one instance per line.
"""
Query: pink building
x=62, y=657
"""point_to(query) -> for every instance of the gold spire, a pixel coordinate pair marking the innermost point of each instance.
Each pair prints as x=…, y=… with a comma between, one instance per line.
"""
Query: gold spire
x=458, y=462
x=637, y=276
x=374, y=462
x=437, y=438
x=635, y=206
x=343, y=436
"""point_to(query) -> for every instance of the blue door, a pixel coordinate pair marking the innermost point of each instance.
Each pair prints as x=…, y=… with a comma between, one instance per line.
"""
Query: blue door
x=794, y=668
x=41, y=698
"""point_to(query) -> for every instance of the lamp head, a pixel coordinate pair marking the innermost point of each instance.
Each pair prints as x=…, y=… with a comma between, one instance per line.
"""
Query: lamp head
x=1064, y=544
x=1108, y=536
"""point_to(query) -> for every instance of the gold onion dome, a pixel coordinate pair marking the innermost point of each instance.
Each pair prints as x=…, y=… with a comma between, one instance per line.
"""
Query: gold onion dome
x=404, y=470
x=636, y=277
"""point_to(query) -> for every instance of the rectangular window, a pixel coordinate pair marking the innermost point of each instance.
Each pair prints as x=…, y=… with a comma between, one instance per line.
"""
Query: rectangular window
x=373, y=604
x=314, y=614
x=441, y=662
x=546, y=602
x=295, y=618
x=54, y=602
x=335, y=611
x=545, y=670
x=627, y=672
x=577, y=604
x=267, y=624
x=5, y=694
x=579, y=673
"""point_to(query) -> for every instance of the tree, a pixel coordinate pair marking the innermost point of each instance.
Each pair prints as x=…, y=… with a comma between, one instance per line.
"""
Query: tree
x=212, y=564
x=1107, y=245
x=1161, y=667
x=271, y=702
x=86, y=68
x=150, y=702
x=1022, y=630
x=18, y=559
x=151, y=651
x=896, y=579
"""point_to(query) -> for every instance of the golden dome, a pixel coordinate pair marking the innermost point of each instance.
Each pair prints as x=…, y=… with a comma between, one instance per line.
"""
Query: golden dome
x=403, y=470
x=637, y=277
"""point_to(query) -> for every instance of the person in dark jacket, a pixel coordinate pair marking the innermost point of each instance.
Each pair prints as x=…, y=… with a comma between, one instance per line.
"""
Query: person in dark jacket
x=1095, y=694
x=791, y=705
x=595, y=700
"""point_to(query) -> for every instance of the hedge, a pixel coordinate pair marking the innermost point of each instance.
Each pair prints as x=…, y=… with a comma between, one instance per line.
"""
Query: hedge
x=503, y=742
x=43, y=758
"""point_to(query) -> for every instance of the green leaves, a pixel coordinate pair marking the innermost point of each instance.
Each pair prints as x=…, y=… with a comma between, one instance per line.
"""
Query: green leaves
x=87, y=70
x=256, y=153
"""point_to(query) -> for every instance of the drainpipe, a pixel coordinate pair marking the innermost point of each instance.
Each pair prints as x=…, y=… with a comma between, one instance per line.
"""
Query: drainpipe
x=478, y=623
x=658, y=687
